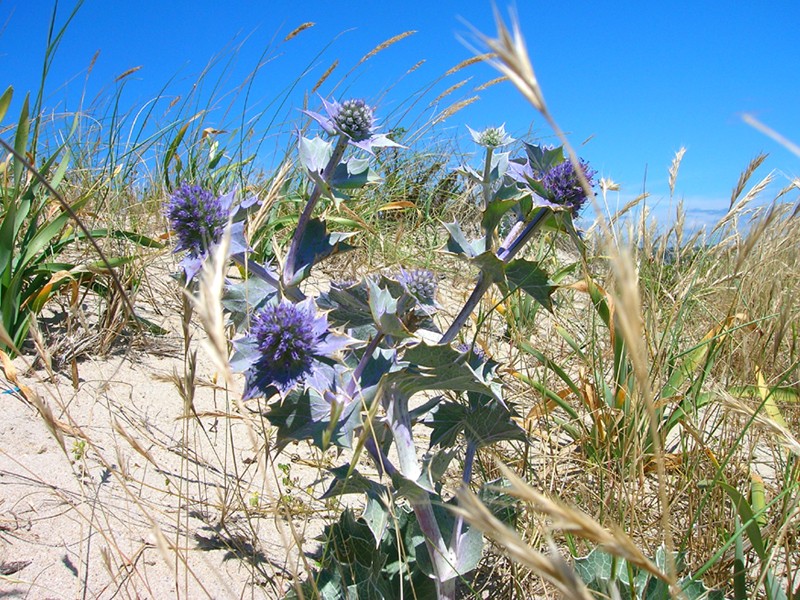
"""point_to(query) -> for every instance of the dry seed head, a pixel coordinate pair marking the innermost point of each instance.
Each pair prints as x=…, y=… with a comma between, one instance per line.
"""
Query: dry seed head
x=298, y=30
x=454, y=108
x=384, y=45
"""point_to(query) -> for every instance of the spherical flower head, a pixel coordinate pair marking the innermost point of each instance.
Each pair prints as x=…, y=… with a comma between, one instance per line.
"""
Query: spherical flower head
x=355, y=119
x=197, y=217
x=420, y=283
x=564, y=187
x=288, y=342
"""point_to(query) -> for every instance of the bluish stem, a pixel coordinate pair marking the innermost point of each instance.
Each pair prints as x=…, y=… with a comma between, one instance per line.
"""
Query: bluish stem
x=362, y=364
x=487, y=192
x=256, y=269
x=442, y=560
x=305, y=216
x=382, y=462
x=511, y=247
x=469, y=461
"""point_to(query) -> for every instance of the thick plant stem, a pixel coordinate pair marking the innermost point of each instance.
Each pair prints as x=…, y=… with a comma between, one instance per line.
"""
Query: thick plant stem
x=442, y=559
x=469, y=461
x=305, y=216
x=510, y=249
x=487, y=194
x=362, y=364
x=256, y=269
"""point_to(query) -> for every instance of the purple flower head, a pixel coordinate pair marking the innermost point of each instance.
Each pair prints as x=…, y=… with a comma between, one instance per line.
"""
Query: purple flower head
x=353, y=119
x=287, y=346
x=420, y=283
x=563, y=185
x=197, y=217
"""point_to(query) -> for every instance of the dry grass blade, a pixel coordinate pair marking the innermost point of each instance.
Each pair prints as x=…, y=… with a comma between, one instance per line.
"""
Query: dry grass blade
x=631, y=324
x=56, y=427
x=491, y=82
x=127, y=73
x=768, y=131
x=745, y=176
x=782, y=434
x=383, y=46
x=273, y=193
x=416, y=66
x=298, y=30
x=553, y=568
x=470, y=61
x=563, y=517
x=208, y=305
x=673, y=169
x=449, y=91
x=132, y=442
x=325, y=76
x=454, y=108
x=512, y=60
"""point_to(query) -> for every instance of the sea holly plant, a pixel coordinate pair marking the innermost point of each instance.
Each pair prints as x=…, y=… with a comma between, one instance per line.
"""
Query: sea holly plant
x=364, y=365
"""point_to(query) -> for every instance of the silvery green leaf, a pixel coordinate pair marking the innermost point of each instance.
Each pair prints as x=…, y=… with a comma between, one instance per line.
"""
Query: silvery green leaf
x=541, y=158
x=500, y=504
x=376, y=516
x=314, y=155
x=353, y=174
x=316, y=245
x=352, y=482
x=530, y=278
x=494, y=213
x=470, y=174
x=302, y=416
x=347, y=306
x=491, y=267
x=470, y=550
x=499, y=166
x=446, y=422
x=242, y=299
x=457, y=242
x=436, y=367
x=434, y=466
x=384, y=308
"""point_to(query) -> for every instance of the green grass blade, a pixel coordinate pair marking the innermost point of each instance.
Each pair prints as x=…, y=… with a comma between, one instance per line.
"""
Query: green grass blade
x=5, y=102
x=21, y=140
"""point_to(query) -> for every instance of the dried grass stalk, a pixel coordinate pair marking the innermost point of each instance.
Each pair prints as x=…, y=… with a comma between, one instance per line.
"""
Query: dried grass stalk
x=614, y=541
x=470, y=61
x=454, y=108
x=325, y=76
x=491, y=82
x=552, y=567
x=384, y=45
x=298, y=30
x=208, y=305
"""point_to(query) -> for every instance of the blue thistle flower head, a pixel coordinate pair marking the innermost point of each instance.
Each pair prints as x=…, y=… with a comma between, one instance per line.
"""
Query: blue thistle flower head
x=563, y=185
x=355, y=120
x=420, y=283
x=288, y=345
x=197, y=217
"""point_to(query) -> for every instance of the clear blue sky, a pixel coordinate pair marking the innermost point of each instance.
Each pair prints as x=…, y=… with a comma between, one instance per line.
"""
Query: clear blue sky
x=641, y=79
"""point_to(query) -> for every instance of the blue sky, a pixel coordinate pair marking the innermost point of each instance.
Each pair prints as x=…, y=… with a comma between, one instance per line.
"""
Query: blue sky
x=637, y=79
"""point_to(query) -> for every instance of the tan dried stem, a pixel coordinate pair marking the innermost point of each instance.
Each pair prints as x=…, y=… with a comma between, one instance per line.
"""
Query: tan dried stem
x=614, y=541
x=552, y=567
